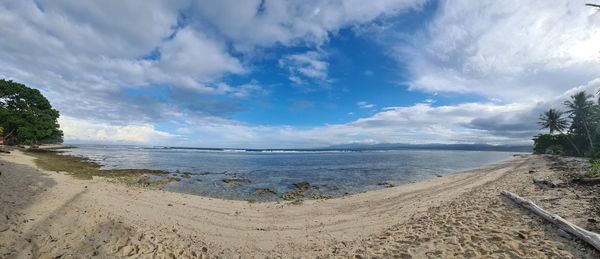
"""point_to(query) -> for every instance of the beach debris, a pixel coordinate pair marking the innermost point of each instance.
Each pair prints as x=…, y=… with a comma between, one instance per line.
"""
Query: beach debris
x=543, y=183
x=236, y=181
x=265, y=191
x=587, y=236
x=531, y=171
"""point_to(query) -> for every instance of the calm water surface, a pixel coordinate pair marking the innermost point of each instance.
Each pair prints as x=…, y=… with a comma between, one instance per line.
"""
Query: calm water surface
x=330, y=172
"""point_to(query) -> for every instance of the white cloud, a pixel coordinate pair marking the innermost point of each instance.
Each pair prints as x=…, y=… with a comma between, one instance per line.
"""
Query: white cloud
x=365, y=105
x=190, y=59
x=92, y=59
x=265, y=23
x=503, y=49
x=78, y=131
x=306, y=66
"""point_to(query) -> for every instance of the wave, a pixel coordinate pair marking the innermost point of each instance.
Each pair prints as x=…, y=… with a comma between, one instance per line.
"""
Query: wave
x=237, y=150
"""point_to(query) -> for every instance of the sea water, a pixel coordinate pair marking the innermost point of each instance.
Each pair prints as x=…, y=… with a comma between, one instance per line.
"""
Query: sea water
x=329, y=172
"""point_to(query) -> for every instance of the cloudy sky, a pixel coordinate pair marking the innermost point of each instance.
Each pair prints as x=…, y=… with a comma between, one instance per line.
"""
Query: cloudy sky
x=276, y=74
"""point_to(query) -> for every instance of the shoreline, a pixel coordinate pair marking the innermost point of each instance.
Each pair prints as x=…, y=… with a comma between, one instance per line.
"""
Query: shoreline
x=80, y=166
x=135, y=221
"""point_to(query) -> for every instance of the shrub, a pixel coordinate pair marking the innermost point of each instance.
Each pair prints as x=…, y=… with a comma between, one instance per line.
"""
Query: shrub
x=595, y=170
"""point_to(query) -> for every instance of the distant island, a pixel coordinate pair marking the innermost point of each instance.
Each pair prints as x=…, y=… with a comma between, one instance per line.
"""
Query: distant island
x=398, y=146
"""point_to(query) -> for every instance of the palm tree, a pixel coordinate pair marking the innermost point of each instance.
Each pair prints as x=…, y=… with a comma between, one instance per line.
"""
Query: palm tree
x=553, y=121
x=580, y=110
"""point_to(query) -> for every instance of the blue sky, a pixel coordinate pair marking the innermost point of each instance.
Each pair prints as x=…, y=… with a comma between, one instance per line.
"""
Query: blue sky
x=281, y=74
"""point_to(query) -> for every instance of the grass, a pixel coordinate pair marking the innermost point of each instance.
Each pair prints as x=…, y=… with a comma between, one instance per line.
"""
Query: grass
x=85, y=169
x=592, y=174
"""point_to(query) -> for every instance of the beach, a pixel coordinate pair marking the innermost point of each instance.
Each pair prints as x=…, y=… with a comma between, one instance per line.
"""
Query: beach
x=51, y=214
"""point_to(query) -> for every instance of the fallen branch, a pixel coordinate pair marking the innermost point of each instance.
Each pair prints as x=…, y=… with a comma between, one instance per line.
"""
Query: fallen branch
x=587, y=236
x=543, y=182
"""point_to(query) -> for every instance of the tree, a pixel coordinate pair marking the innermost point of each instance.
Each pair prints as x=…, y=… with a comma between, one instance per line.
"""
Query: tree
x=27, y=116
x=554, y=122
x=580, y=109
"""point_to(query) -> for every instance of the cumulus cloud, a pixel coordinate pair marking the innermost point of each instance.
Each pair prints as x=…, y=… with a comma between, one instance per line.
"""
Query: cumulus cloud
x=514, y=49
x=83, y=131
x=266, y=23
x=308, y=66
x=116, y=69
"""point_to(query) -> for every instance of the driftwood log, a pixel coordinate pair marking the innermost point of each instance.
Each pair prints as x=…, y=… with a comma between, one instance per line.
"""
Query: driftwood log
x=543, y=182
x=587, y=236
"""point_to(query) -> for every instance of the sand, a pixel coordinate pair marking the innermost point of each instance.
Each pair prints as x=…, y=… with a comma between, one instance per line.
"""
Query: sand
x=49, y=214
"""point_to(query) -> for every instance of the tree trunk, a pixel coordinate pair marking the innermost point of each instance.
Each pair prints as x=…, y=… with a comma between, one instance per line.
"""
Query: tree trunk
x=587, y=236
x=589, y=136
x=572, y=143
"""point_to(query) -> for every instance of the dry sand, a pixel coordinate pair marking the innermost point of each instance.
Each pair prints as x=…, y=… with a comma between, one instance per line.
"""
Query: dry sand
x=49, y=214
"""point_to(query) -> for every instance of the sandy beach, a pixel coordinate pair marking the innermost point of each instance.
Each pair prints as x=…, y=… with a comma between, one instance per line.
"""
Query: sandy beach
x=50, y=214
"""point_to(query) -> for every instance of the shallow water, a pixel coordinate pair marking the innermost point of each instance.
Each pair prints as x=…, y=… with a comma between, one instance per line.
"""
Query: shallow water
x=333, y=172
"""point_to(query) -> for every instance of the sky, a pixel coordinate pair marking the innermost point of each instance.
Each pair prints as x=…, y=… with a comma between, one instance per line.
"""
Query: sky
x=301, y=74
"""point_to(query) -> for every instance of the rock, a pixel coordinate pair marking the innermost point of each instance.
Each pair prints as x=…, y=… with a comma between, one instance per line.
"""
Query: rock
x=589, y=220
x=531, y=171
x=170, y=205
x=265, y=191
x=236, y=181
x=302, y=186
x=386, y=184
x=289, y=196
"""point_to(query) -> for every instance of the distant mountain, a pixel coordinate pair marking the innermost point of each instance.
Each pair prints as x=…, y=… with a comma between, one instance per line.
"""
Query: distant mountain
x=393, y=146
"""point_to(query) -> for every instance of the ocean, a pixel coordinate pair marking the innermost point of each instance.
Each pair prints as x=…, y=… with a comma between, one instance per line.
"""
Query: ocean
x=266, y=175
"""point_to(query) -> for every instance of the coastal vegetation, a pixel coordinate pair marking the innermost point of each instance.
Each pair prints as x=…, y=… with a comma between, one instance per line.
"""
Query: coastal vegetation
x=574, y=132
x=26, y=116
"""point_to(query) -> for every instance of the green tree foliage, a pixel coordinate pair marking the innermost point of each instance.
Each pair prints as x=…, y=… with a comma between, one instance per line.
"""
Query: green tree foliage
x=553, y=144
x=553, y=121
x=26, y=116
x=580, y=109
x=578, y=134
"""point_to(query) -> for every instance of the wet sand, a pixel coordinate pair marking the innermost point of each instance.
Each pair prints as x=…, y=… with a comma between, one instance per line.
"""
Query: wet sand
x=49, y=214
